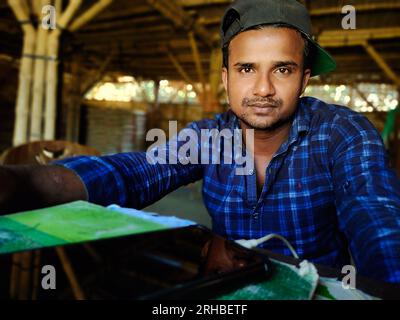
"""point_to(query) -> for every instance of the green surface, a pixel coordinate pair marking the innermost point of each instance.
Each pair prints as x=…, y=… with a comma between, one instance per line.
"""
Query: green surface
x=69, y=223
x=284, y=284
x=323, y=292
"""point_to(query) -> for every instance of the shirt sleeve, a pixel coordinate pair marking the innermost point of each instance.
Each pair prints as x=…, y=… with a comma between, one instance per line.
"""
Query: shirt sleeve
x=138, y=179
x=367, y=198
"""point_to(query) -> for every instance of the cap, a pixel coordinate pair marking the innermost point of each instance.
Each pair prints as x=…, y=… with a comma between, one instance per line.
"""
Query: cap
x=242, y=15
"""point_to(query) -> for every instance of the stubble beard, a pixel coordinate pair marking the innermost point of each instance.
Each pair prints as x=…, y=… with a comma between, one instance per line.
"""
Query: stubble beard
x=257, y=122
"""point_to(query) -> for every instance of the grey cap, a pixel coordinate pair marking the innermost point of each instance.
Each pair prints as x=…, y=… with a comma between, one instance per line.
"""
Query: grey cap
x=242, y=15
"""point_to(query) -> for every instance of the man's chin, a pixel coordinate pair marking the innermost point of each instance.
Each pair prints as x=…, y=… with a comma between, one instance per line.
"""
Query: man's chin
x=259, y=122
x=266, y=123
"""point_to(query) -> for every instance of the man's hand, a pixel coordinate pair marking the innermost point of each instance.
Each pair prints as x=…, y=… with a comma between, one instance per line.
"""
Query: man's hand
x=31, y=187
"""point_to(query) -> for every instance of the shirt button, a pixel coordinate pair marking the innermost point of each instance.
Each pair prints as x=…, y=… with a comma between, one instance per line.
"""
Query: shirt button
x=255, y=215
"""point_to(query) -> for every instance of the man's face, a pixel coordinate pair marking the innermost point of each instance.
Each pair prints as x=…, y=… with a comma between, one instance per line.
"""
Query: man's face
x=266, y=76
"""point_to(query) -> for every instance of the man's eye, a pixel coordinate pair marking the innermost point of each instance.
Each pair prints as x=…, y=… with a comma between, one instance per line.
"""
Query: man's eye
x=284, y=70
x=246, y=69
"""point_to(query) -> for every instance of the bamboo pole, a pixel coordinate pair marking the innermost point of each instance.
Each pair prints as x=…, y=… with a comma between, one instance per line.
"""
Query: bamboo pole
x=67, y=266
x=25, y=276
x=36, y=273
x=58, y=6
x=38, y=82
x=15, y=275
x=36, y=7
x=197, y=60
x=52, y=74
x=73, y=110
x=25, y=76
x=51, y=88
x=89, y=14
x=182, y=71
x=215, y=78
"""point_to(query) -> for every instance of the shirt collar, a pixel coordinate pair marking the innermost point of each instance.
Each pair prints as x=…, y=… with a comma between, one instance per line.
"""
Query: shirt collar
x=301, y=121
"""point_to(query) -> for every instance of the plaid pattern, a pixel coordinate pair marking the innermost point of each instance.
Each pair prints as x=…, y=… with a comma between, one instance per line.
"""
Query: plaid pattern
x=328, y=188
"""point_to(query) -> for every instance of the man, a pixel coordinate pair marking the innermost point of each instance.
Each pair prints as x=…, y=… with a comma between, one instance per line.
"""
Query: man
x=321, y=175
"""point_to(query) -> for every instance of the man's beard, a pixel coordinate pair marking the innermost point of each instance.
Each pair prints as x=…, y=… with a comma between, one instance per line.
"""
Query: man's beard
x=247, y=104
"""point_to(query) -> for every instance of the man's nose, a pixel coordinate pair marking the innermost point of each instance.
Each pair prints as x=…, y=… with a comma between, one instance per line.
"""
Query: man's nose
x=263, y=86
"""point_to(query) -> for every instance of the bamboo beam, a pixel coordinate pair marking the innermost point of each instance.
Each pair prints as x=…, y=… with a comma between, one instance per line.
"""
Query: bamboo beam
x=89, y=14
x=25, y=73
x=179, y=68
x=342, y=38
x=195, y=3
x=99, y=74
x=382, y=63
x=317, y=12
x=136, y=10
x=197, y=60
x=362, y=95
x=181, y=19
x=362, y=7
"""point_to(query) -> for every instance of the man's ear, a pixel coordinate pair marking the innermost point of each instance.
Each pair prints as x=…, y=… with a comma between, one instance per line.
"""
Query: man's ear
x=306, y=78
x=224, y=76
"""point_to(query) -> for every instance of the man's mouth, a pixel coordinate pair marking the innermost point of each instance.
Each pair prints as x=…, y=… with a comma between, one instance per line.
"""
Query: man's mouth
x=263, y=109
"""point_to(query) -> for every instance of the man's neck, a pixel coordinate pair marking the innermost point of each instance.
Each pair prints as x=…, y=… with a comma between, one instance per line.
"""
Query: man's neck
x=266, y=143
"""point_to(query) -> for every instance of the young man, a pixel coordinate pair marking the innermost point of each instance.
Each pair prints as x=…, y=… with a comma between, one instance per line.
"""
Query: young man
x=321, y=176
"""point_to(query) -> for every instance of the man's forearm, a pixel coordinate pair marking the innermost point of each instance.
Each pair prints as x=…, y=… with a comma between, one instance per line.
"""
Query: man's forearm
x=31, y=187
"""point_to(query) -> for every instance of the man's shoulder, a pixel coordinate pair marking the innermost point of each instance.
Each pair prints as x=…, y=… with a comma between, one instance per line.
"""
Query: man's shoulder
x=342, y=124
x=335, y=116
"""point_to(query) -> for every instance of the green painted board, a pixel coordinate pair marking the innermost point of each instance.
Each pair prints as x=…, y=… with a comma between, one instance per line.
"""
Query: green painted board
x=74, y=222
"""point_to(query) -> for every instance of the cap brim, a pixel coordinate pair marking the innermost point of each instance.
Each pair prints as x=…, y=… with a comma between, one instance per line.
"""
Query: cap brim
x=323, y=62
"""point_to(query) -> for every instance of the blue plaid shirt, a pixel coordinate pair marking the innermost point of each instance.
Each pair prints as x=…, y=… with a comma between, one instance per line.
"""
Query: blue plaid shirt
x=327, y=189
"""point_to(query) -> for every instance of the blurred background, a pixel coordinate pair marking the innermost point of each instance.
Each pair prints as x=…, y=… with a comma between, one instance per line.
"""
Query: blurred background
x=101, y=73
